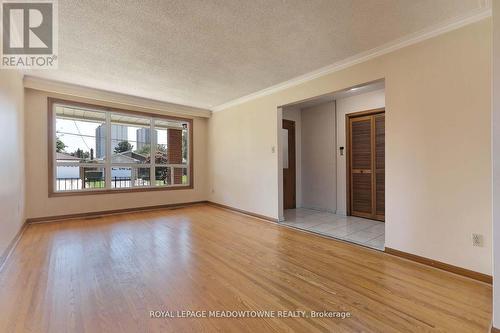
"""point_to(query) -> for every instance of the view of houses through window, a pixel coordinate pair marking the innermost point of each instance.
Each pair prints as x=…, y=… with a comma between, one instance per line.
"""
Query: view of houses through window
x=108, y=150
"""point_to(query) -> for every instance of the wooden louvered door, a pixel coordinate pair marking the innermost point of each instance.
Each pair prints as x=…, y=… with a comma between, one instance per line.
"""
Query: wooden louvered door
x=366, y=164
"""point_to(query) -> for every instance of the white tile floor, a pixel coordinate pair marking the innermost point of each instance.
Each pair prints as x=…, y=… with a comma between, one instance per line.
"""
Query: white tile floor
x=352, y=229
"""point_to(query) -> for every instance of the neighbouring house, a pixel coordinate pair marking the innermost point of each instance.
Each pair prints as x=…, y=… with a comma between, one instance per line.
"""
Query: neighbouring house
x=70, y=170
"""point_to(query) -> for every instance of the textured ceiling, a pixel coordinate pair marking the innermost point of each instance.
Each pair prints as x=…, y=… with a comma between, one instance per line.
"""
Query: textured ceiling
x=208, y=52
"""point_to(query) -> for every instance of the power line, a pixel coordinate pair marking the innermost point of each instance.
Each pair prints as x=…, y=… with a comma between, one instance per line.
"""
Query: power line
x=81, y=136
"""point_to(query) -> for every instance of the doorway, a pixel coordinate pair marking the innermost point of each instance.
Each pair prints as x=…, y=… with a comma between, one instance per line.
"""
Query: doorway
x=313, y=165
x=289, y=181
x=365, y=138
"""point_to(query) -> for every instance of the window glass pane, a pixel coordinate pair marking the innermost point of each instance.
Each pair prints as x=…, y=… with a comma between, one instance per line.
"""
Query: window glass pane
x=130, y=139
x=94, y=178
x=163, y=176
x=142, y=177
x=171, y=176
x=180, y=176
x=161, y=147
x=125, y=177
x=121, y=177
x=71, y=178
x=78, y=133
x=172, y=142
x=185, y=139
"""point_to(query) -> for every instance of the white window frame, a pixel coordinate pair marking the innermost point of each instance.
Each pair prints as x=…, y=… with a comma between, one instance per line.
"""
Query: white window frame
x=107, y=164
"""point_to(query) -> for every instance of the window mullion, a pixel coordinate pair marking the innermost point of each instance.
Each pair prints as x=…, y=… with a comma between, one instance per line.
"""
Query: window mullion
x=54, y=152
x=153, y=139
x=188, y=157
x=108, y=152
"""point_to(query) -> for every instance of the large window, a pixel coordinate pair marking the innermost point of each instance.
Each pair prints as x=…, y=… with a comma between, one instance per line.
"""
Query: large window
x=100, y=150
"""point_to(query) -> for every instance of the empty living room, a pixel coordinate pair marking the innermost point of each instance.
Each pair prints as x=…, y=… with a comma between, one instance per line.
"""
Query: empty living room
x=250, y=166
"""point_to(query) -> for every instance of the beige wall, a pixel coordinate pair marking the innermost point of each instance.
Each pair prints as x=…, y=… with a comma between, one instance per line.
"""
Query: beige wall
x=40, y=205
x=12, y=198
x=318, y=158
x=294, y=114
x=438, y=185
x=243, y=150
x=361, y=102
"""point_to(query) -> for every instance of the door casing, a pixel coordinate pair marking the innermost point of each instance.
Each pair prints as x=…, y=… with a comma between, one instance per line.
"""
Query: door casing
x=290, y=199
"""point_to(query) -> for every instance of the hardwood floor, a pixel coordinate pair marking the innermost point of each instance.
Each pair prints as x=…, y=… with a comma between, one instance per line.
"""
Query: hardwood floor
x=106, y=275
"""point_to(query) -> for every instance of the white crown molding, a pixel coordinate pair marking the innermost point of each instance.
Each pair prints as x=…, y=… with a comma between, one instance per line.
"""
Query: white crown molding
x=63, y=88
x=436, y=30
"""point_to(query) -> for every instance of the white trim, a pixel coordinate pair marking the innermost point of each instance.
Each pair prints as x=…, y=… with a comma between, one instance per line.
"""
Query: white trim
x=153, y=137
x=58, y=87
x=107, y=152
x=340, y=212
x=411, y=39
x=83, y=165
x=53, y=149
x=189, y=143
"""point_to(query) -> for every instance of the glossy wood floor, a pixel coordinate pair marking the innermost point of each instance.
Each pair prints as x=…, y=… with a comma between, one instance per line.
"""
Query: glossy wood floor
x=106, y=274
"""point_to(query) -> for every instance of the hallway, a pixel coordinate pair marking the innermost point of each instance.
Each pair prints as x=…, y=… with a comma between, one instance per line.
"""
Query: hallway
x=353, y=229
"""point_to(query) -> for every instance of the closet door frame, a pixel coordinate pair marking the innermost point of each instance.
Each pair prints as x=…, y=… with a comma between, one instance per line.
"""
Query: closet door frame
x=348, y=118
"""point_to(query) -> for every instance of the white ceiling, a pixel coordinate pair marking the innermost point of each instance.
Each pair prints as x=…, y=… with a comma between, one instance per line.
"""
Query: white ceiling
x=205, y=52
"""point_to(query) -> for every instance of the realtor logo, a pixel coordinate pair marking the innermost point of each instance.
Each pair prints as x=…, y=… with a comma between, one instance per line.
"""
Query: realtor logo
x=29, y=34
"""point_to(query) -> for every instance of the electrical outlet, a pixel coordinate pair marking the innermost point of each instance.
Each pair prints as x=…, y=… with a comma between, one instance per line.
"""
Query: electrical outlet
x=477, y=240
